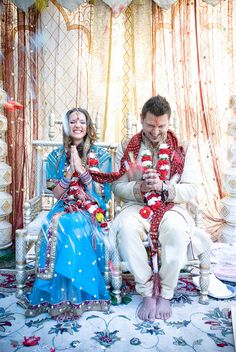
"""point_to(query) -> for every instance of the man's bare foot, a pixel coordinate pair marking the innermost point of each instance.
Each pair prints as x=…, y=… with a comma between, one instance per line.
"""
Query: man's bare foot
x=163, y=308
x=147, y=310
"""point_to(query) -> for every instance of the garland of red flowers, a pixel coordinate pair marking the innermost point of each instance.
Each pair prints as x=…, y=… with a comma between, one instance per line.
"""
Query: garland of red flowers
x=153, y=199
x=176, y=167
x=77, y=198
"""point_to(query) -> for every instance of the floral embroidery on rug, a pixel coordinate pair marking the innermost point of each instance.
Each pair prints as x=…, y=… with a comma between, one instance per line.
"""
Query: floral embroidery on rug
x=192, y=327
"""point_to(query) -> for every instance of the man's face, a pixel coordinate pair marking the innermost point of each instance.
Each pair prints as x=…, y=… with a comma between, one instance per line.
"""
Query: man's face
x=155, y=127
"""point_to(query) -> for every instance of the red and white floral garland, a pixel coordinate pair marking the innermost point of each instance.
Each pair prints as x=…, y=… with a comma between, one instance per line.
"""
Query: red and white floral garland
x=153, y=199
x=93, y=162
x=91, y=206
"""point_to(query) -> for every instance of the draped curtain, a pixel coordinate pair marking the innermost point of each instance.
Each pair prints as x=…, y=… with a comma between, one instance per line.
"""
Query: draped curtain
x=111, y=63
x=19, y=78
x=194, y=51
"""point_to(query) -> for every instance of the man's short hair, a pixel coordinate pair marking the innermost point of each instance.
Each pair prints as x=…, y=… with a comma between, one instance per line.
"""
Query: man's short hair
x=157, y=106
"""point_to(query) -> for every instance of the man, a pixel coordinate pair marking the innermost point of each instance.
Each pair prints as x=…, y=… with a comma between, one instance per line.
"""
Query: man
x=165, y=178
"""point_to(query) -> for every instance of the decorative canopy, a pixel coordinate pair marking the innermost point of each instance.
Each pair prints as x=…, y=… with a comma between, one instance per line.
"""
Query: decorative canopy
x=116, y=5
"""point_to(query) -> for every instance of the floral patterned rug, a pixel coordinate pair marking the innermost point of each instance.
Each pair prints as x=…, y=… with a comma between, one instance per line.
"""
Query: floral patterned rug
x=192, y=326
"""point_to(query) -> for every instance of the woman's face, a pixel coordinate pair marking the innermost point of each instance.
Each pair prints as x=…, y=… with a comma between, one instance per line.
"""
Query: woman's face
x=77, y=126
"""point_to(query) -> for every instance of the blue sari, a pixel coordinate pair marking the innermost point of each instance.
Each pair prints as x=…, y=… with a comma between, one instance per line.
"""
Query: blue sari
x=70, y=251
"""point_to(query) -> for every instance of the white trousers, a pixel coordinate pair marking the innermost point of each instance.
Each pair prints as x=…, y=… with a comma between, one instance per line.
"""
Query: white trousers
x=175, y=232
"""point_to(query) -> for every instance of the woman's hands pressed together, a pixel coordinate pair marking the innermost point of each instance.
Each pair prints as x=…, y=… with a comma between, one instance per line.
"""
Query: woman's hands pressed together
x=76, y=162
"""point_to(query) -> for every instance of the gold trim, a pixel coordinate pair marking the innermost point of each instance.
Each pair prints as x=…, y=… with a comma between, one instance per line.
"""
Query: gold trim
x=204, y=266
x=127, y=67
x=6, y=206
x=171, y=193
x=19, y=28
x=62, y=308
x=137, y=192
x=154, y=39
x=175, y=8
x=108, y=81
x=69, y=26
x=133, y=63
x=49, y=271
x=20, y=233
x=20, y=262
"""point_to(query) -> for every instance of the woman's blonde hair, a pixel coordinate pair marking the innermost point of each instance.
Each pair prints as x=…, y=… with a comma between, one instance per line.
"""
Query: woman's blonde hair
x=90, y=136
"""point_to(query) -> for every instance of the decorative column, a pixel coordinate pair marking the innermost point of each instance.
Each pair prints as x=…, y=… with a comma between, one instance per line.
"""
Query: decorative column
x=5, y=181
x=129, y=126
x=98, y=127
x=228, y=203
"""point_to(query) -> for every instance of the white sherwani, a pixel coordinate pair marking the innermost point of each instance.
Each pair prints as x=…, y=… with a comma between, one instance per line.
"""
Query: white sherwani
x=178, y=236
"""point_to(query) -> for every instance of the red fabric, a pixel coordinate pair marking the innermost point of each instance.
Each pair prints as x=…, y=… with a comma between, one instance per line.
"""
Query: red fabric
x=156, y=285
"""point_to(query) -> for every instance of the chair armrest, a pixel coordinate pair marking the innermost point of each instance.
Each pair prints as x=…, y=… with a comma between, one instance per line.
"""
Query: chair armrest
x=31, y=209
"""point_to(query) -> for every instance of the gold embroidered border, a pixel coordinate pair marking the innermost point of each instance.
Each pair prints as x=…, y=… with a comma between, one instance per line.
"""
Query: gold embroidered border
x=137, y=193
x=67, y=307
x=48, y=272
x=171, y=193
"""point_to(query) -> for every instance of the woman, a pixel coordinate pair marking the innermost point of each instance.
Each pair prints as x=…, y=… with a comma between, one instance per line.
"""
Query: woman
x=70, y=248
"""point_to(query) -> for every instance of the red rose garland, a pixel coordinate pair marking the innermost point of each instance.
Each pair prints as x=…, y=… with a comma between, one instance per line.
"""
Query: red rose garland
x=153, y=199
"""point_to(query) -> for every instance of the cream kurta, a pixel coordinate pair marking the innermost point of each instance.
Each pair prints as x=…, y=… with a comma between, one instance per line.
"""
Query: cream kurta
x=175, y=230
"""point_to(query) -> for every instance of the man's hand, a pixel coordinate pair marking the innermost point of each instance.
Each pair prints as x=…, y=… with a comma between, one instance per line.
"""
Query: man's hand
x=133, y=169
x=151, y=182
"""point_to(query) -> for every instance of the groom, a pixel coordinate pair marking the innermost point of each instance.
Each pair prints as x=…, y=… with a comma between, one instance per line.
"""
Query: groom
x=155, y=205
